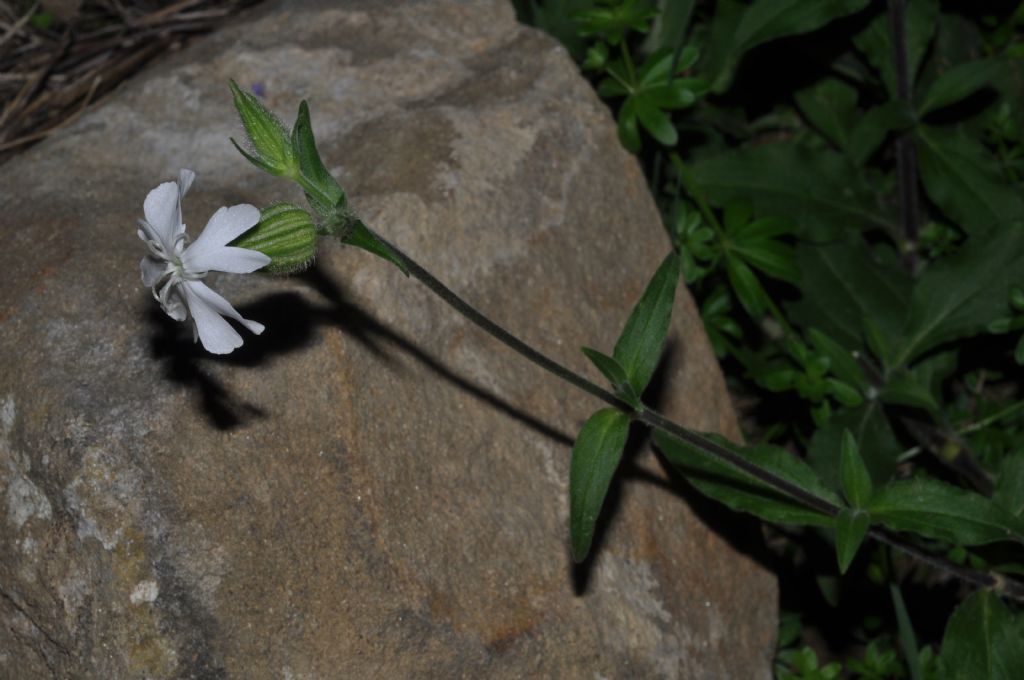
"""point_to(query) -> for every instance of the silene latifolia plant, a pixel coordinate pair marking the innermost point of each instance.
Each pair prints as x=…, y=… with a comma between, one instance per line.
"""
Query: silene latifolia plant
x=767, y=481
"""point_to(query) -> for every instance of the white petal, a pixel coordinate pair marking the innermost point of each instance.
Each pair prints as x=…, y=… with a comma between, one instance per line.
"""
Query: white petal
x=163, y=213
x=185, y=179
x=216, y=334
x=222, y=306
x=152, y=270
x=225, y=226
x=172, y=300
x=225, y=259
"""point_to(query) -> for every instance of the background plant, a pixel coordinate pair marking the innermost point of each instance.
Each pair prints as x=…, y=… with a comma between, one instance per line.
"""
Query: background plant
x=843, y=182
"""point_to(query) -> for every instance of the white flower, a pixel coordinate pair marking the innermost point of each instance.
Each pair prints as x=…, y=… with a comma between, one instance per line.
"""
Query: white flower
x=174, y=268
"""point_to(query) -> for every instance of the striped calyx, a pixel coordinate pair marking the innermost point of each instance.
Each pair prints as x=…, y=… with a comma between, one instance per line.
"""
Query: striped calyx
x=286, y=235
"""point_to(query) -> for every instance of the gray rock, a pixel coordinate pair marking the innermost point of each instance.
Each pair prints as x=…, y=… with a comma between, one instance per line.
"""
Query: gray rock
x=372, y=488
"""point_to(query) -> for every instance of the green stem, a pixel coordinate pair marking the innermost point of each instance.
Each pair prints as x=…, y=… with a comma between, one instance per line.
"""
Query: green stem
x=968, y=429
x=1007, y=587
x=628, y=60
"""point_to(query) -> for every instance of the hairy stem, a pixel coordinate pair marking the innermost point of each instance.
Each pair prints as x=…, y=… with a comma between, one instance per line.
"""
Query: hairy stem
x=1006, y=587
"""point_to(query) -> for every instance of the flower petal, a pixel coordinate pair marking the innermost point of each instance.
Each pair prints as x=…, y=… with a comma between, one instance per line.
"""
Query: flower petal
x=163, y=213
x=225, y=226
x=152, y=270
x=185, y=179
x=225, y=259
x=216, y=334
x=222, y=306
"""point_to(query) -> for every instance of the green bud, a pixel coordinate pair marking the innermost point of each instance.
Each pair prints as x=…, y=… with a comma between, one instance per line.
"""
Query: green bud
x=286, y=235
x=271, y=147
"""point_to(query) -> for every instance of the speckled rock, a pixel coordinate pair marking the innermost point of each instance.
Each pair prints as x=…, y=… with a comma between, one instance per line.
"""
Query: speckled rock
x=372, y=488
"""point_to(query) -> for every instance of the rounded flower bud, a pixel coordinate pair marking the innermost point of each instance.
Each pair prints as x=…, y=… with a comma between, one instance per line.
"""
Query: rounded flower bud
x=286, y=234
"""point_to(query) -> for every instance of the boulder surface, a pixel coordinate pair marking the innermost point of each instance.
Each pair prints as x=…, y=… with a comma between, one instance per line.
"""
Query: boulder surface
x=372, y=488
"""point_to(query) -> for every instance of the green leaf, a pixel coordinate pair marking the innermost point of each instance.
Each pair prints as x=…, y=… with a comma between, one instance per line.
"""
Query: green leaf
x=638, y=349
x=908, y=641
x=876, y=442
x=656, y=121
x=944, y=512
x=328, y=194
x=961, y=294
x=767, y=20
x=616, y=375
x=775, y=259
x=616, y=21
x=672, y=24
x=740, y=491
x=853, y=474
x=819, y=190
x=845, y=394
x=831, y=106
x=595, y=456
x=841, y=360
x=842, y=284
x=873, y=127
x=363, y=238
x=746, y=286
x=963, y=179
x=851, y=528
x=876, y=41
x=629, y=133
x=1009, y=493
x=983, y=641
x=959, y=82
x=903, y=389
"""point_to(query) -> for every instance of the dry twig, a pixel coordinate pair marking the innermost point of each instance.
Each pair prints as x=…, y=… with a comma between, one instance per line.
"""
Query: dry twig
x=51, y=71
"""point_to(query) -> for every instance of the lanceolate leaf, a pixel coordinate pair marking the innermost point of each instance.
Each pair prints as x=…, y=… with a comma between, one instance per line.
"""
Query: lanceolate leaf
x=616, y=375
x=853, y=474
x=944, y=512
x=748, y=289
x=638, y=350
x=983, y=641
x=595, y=457
x=851, y=528
x=744, y=493
x=312, y=168
x=876, y=441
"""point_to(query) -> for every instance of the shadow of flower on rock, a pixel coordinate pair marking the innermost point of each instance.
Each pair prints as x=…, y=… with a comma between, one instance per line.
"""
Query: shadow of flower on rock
x=292, y=323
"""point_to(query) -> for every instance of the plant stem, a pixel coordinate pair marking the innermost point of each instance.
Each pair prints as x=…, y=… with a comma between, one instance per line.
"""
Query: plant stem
x=1007, y=587
x=968, y=429
x=628, y=60
x=906, y=159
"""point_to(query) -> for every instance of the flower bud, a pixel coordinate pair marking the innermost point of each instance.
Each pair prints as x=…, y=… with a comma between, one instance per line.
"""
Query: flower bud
x=286, y=235
x=271, y=148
